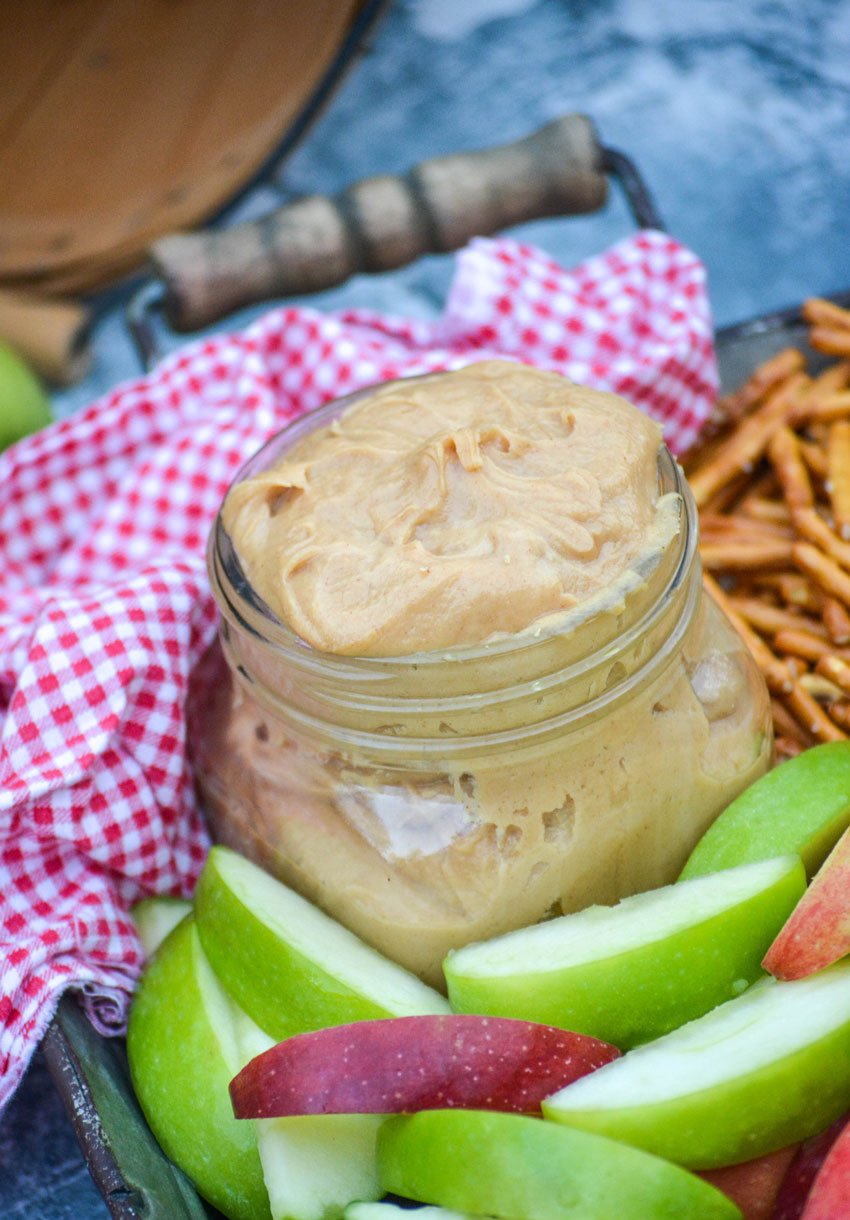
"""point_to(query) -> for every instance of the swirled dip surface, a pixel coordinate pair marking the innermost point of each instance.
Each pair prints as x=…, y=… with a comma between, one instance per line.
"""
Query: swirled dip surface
x=448, y=509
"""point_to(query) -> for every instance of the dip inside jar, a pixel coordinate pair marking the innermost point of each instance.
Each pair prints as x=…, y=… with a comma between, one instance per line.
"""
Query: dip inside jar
x=450, y=509
x=467, y=677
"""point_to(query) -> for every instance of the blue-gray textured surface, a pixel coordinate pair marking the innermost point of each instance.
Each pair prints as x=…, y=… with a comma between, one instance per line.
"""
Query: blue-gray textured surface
x=737, y=113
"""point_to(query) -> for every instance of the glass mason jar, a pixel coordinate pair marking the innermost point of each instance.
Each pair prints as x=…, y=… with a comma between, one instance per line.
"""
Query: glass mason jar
x=433, y=799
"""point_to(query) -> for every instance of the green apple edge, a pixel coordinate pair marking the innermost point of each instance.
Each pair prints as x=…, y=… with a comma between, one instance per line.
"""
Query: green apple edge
x=709, y=954
x=314, y=1165
x=510, y=1165
x=801, y=807
x=288, y=965
x=182, y=1051
x=155, y=917
x=743, y=1116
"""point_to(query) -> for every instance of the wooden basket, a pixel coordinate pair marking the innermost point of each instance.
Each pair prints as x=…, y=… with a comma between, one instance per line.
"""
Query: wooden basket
x=121, y=120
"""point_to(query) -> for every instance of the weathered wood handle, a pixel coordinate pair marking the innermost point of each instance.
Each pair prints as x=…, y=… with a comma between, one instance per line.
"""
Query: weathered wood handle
x=381, y=222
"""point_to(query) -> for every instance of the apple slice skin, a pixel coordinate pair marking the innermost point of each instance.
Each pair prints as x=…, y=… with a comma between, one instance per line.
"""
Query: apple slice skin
x=180, y=1069
x=753, y=1185
x=800, y=808
x=644, y=992
x=279, y=987
x=829, y=1198
x=736, y=1120
x=481, y=1162
x=817, y=932
x=406, y=1064
x=803, y=1170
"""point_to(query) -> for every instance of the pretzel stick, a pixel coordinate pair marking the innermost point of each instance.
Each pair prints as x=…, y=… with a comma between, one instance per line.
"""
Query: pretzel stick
x=820, y=688
x=837, y=621
x=728, y=495
x=747, y=443
x=743, y=556
x=814, y=529
x=775, y=673
x=758, y=509
x=733, y=527
x=796, y=666
x=823, y=571
x=838, y=465
x=783, y=453
x=815, y=458
x=819, y=312
x=812, y=715
x=813, y=411
x=835, y=341
x=836, y=670
x=768, y=375
x=802, y=644
x=785, y=748
x=834, y=377
x=786, y=725
x=840, y=713
x=796, y=590
x=770, y=619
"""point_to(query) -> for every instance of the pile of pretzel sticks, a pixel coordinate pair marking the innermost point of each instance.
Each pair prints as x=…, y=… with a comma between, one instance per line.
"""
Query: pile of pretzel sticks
x=771, y=478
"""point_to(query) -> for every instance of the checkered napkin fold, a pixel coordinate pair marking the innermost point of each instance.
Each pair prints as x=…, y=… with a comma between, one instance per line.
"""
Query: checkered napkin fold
x=104, y=601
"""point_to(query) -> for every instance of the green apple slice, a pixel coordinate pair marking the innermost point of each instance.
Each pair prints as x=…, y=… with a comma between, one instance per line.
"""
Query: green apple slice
x=154, y=919
x=24, y=406
x=765, y=1070
x=289, y=965
x=315, y=1166
x=801, y=807
x=182, y=1048
x=629, y=973
x=508, y=1165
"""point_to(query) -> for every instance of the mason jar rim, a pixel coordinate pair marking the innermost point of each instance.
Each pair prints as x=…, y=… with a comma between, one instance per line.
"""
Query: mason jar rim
x=237, y=599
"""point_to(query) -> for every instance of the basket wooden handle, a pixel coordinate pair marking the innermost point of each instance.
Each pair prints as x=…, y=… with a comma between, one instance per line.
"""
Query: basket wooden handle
x=381, y=222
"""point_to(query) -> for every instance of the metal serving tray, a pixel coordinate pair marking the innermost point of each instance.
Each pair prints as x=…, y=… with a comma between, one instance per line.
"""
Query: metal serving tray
x=137, y=1180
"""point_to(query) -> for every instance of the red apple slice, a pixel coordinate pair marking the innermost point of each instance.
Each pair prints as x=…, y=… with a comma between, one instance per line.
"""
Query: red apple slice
x=753, y=1185
x=803, y=1170
x=829, y=1198
x=405, y=1064
x=817, y=932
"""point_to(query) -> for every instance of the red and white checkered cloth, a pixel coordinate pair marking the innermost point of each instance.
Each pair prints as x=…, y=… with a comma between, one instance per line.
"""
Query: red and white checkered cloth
x=104, y=601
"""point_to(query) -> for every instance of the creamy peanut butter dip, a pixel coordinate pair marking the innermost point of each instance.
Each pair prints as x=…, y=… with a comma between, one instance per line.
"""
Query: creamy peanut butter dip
x=517, y=703
x=445, y=510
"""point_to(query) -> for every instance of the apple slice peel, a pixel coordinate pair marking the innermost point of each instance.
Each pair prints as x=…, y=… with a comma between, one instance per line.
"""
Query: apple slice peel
x=804, y=1168
x=632, y=972
x=182, y=1049
x=484, y=1163
x=802, y=808
x=817, y=932
x=407, y=1064
x=753, y=1185
x=288, y=965
x=829, y=1198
